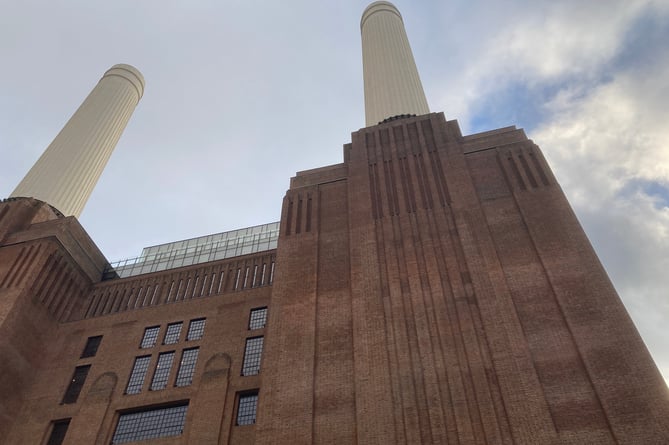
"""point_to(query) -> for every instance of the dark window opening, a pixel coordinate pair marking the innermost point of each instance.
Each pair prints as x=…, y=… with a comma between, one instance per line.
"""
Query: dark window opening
x=77, y=382
x=92, y=345
x=58, y=432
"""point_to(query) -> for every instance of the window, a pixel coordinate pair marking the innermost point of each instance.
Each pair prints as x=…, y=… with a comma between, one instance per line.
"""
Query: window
x=258, y=318
x=187, y=367
x=150, y=424
x=252, y=356
x=58, y=432
x=138, y=374
x=77, y=382
x=246, y=409
x=196, y=329
x=150, y=337
x=92, y=345
x=162, y=373
x=173, y=333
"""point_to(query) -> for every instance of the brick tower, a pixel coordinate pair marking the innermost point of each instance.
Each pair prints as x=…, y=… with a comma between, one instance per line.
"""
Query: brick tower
x=438, y=288
x=433, y=288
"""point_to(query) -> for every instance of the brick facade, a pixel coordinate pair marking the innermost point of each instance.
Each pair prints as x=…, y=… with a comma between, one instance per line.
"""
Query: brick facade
x=432, y=288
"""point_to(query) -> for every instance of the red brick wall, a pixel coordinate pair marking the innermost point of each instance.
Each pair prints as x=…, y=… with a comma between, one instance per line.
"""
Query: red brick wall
x=433, y=288
x=46, y=296
x=470, y=306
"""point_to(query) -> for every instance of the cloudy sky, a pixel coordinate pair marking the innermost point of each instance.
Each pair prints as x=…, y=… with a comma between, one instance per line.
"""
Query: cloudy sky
x=241, y=94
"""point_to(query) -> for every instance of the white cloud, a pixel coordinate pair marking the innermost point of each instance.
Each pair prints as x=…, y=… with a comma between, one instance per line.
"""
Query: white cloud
x=565, y=38
x=601, y=146
x=603, y=128
x=548, y=42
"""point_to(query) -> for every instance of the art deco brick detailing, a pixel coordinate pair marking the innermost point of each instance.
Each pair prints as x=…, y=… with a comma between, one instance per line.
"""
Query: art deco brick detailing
x=66, y=173
x=447, y=294
x=444, y=293
x=432, y=288
x=131, y=371
x=182, y=284
x=392, y=83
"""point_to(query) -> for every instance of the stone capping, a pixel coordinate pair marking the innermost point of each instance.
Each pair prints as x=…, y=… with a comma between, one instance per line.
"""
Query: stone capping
x=20, y=198
x=72, y=238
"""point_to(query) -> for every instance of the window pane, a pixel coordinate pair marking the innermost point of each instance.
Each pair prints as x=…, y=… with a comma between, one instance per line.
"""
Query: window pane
x=150, y=337
x=258, y=318
x=58, y=432
x=187, y=367
x=173, y=333
x=246, y=411
x=252, y=356
x=91, y=347
x=162, y=373
x=138, y=374
x=77, y=382
x=150, y=424
x=196, y=329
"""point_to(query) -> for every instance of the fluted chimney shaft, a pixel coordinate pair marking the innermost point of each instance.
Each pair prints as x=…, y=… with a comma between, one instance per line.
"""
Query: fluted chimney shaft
x=392, y=84
x=66, y=173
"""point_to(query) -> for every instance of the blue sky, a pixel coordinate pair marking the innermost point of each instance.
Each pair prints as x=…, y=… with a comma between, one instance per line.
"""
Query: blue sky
x=242, y=94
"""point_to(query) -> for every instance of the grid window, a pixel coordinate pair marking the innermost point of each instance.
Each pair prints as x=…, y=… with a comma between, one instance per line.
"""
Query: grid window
x=187, y=367
x=138, y=374
x=77, y=382
x=162, y=373
x=258, y=318
x=196, y=329
x=150, y=337
x=92, y=345
x=246, y=410
x=173, y=333
x=58, y=432
x=252, y=356
x=150, y=424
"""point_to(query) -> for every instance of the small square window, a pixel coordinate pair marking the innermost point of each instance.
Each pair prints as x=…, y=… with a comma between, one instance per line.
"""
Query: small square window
x=247, y=407
x=150, y=337
x=195, y=329
x=173, y=333
x=258, y=318
x=92, y=345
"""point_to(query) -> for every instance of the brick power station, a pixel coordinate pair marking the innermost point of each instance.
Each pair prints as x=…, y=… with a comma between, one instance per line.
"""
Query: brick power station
x=433, y=288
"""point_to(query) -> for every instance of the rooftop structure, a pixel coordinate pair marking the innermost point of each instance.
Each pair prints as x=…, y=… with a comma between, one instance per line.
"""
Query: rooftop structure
x=198, y=250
